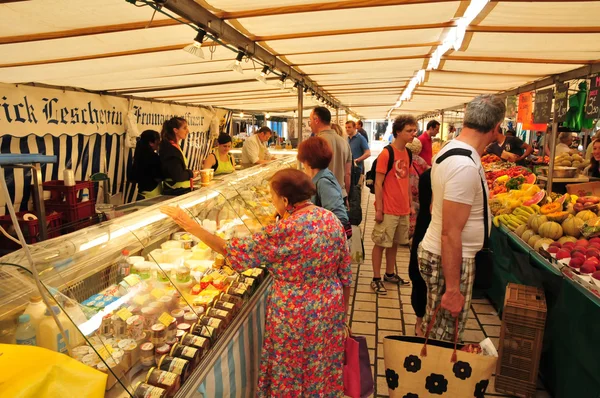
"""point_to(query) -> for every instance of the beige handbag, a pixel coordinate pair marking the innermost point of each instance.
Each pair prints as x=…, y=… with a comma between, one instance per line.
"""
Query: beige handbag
x=416, y=367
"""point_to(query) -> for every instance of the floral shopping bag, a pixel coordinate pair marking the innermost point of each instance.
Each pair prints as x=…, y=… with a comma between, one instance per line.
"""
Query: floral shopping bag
x=416, y=367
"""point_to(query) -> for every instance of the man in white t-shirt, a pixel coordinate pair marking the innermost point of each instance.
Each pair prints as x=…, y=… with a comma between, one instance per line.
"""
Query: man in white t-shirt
x=456, y=231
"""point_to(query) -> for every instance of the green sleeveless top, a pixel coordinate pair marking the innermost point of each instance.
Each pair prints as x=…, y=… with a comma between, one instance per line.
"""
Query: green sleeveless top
x=221, y=167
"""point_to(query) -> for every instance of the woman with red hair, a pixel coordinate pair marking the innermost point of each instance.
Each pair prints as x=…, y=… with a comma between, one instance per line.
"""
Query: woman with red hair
x=307, y=255
x=315, y=155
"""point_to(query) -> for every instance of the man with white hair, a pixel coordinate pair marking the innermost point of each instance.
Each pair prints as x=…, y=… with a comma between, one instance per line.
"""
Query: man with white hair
x=460, y=218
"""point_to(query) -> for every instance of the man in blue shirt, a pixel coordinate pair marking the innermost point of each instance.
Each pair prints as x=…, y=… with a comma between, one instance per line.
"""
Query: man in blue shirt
x=358, y=146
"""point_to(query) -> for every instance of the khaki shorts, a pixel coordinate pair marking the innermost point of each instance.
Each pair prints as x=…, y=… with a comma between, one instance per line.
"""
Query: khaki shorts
x=393, y=229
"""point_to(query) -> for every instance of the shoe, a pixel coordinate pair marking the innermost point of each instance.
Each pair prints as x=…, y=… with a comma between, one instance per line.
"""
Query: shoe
x=378, y=287
x=395, y=279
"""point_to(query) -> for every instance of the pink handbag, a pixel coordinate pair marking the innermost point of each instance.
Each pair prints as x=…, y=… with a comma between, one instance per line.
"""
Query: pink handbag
x=358, y=379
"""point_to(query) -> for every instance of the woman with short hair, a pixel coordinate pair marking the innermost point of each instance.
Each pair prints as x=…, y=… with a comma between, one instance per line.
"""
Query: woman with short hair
x=315, y=155
x=307, y=255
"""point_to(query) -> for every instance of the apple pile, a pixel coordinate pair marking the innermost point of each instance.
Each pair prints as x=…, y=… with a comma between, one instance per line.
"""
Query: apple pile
x=584, y=255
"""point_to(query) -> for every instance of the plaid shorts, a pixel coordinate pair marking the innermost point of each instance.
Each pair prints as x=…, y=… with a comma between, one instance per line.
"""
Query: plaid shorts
x=430, y=266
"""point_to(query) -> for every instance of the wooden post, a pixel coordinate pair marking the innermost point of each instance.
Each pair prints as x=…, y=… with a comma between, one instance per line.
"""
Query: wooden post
x=300, y=118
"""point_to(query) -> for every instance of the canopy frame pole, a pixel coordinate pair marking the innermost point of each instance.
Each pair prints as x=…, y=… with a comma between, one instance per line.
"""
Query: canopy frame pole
x=552, y=147
x=300, y=117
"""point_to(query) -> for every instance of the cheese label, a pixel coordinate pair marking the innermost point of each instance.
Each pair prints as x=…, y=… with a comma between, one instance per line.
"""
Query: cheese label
x=124, y=314
x=157, y=293
x=166, y=319
x=105, y=352
x=132, y=279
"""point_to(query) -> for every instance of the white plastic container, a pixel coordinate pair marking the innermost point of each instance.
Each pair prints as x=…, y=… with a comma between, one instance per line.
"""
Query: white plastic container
x=156, y=256
x=135, y=259
x=173, y=256
x=35, y=309
x=49, y=335
x=26, y=334
x=172, y=244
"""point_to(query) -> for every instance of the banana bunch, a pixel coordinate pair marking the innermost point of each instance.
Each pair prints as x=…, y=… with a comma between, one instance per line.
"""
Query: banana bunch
x=519, y=216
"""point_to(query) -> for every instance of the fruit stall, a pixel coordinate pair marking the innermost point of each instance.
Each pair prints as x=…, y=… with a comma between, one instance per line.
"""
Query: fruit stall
x=552, y=242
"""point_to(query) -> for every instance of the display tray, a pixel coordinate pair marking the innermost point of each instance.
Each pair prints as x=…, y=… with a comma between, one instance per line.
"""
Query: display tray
x=172, y=272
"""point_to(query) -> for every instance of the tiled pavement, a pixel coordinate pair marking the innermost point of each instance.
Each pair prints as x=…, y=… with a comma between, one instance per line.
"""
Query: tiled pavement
x=375, y=317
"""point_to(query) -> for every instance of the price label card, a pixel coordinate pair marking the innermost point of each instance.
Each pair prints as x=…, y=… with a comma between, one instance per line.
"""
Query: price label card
x=132, y=279
x=166, y=319
x=157, y=293
x=124, y=314
x=105, y=351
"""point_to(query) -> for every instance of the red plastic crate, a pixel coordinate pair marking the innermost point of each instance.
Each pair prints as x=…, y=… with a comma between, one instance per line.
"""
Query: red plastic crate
x=59, y=193
x=31, y=229
x=72, y=213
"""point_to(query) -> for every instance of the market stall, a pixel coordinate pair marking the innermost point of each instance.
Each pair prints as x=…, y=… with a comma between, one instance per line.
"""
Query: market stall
x=550, y=241
x=145, y=303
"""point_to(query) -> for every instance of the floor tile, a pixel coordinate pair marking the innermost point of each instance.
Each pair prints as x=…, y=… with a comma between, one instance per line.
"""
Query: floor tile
x=382, y=388
x=364, y=316
x=492, y=331
x=380, y=367
x=365, y=306
x=389, y=303
x=363, y=328
x=390, y=313
x=408, y=309
x=489, y=320
x=473, y=336
x=390, y=324
x=484, y=309
x=368, y=297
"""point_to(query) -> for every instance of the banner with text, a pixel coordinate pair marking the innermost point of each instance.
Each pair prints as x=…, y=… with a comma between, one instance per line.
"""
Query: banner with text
x=26, y=110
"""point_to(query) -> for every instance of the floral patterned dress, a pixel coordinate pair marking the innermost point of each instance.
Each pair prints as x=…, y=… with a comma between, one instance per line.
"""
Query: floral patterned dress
x=418, y=167
x=309, y=260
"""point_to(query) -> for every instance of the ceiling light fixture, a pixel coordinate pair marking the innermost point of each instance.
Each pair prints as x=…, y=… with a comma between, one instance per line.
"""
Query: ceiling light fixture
x=295, y=88
x=263, y=74
x=453, y=40
x=306, y=90
x=196, y=47
x=242, y=115
x=267, y=115
x=237, y=65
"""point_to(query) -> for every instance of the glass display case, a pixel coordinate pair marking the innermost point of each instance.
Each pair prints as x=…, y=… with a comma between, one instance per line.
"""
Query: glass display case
x=137, y=298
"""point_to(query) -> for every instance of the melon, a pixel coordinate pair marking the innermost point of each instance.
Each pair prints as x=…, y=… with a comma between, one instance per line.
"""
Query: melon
x=586, y=215
x=531, y=242
x=551, y=230
x=551, y=208
x=538, y=245
x=536, y=221
x=572, y=226
x=530, y=179
x=535, y=199
x=519, y=231
x=566, y=239
x=558, y=217
x=527, y=235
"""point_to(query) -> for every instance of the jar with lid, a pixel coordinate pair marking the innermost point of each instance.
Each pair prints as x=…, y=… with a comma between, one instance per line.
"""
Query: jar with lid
x=135, y=327
x=119, y=327
x=191, y=317
x=191, y=354
x=232, y=299
x=158, y=334
x=170, y=382
x=225, y=306
x=175, y=365
x=143, y=269
x=167, y=302
x=172, y=330
x=204, y=331
x=161, y=351
x=143, y=390
x=179, y=315
x=150, y=316
x=185, y=327
x=201, y=343
x=223, y=315
x=147, y=358
x=216, y=323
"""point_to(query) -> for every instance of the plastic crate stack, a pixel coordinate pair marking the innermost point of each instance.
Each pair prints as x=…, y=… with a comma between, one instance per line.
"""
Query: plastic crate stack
x=521, y=340
x=76, y=214
x=30, y=228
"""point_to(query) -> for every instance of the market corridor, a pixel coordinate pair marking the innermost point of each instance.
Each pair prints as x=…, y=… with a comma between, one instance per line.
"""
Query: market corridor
x=375, y=317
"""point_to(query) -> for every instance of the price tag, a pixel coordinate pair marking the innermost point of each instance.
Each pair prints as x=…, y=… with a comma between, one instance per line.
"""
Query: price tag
x=124, y=314
x=157, y=293
x=105, y=352
x=166, y=319
x=132, y=279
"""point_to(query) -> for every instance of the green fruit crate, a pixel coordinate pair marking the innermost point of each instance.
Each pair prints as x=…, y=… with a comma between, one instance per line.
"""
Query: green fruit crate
x=521, y=339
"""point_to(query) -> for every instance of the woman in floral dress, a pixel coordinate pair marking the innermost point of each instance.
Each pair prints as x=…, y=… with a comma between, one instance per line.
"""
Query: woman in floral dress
x=307, y=255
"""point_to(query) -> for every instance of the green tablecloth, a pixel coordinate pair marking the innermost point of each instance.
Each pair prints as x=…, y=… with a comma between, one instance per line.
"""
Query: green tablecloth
x=570, y=363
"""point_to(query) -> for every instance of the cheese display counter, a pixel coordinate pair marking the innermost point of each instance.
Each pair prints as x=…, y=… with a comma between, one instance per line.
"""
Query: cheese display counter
x=147, y=304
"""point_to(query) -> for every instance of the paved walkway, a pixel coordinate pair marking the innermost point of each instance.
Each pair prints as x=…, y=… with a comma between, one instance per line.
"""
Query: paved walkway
x=375, y=317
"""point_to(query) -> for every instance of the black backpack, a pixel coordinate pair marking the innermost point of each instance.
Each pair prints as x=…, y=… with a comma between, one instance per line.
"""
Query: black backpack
x=370, y=176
